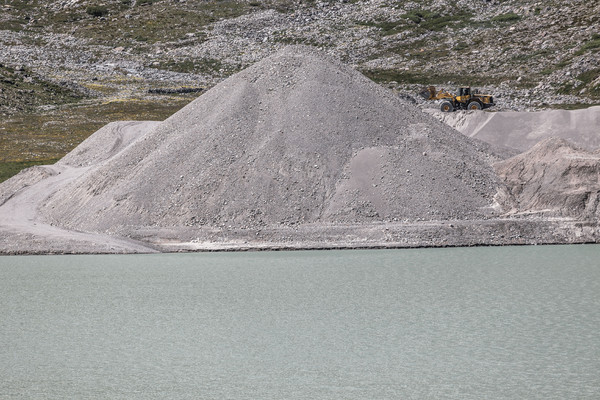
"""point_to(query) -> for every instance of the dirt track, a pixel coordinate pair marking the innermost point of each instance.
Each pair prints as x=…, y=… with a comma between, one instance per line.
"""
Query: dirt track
x=23, y=230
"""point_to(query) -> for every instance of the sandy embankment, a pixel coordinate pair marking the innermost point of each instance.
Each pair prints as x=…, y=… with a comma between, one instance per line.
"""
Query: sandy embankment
x=520, y=131
x=23, y=230
x=297, y=151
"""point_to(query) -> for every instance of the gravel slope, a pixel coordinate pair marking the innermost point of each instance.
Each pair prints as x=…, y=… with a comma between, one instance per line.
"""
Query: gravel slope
x=296, y=138
x=21, y=228
x=555, y=178
x=522, y=130
x=296, y=152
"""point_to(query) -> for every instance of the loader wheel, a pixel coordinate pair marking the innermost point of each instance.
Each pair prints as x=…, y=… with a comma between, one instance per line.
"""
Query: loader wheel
x=474, y=105
x=447, y=107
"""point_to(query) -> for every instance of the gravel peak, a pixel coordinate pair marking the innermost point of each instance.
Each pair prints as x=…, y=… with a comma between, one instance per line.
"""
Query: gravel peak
x=297, y=138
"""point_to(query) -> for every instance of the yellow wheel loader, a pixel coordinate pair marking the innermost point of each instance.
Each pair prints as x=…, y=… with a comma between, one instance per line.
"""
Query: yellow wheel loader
x=466, y=99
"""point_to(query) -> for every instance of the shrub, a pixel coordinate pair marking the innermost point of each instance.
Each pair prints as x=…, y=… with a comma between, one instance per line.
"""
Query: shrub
x=97, y=11
x=593, y=44
x=509, y=17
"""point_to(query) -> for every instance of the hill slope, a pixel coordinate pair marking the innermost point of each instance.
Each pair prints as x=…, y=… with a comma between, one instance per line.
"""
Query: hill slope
x=547, y=49
x=137, y=59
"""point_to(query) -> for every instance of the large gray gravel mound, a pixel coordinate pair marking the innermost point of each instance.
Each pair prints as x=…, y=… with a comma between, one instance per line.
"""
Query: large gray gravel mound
x=296, y=138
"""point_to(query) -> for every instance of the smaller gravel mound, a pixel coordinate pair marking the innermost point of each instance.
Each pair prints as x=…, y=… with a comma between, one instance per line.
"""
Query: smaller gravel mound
x=24, y=179
x=522, y=130
x=554, y=178
x=107, y=142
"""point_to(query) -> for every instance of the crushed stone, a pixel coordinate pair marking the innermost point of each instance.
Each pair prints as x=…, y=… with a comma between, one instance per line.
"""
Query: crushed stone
x=555, y=179
x=296, y=138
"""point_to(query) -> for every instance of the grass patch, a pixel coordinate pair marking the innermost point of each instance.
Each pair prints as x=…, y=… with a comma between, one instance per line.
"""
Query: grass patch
x=507, y=18
x=15, y=25
x=50, y=135
x=592, y=44
x=101, y=88
x=22, y=90
x=97, y=11
x=117, y=23
x=202, y=65
x=421, y=21
x=426, y=20
x=589, y=76
x=460, y=46
x=9, y=169
x=584, y=81
x=406, y=77
x=280, y=37
x=148, y=23
x=572, y=106
x=387, y=28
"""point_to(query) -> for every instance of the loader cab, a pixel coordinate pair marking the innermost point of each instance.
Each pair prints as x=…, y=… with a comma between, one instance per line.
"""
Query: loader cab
x=464, y=91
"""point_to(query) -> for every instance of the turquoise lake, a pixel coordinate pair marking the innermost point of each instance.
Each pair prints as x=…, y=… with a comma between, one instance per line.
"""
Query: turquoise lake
x=456, y=323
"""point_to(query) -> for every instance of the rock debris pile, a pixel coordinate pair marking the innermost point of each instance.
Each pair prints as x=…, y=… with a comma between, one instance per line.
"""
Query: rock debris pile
x=522, y=130
x=554, y=178
x=295, y=139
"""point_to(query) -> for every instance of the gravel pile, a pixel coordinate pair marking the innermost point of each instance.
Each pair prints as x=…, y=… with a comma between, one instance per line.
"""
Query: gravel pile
x=521, y=131
x=107, y=142
x=555, y=179
x=297, y=138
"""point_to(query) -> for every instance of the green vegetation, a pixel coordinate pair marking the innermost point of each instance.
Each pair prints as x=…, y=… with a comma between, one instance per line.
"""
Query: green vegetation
x=193, y=65
x=589, y=76
x=428, y=78
x=149, y=22
x=433, y=21
x=24, y=91
x=586, y=80
x=9, y=169
x=281, y=37
x=461, y=46
x=592, y=44
x=572, y=106
x=421, y=21
x=387, y=28
x=50, y=135
x=507, y=18
x=97, y=11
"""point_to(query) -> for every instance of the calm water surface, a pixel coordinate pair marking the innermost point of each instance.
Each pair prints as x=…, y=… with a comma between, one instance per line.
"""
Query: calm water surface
x=465, y=323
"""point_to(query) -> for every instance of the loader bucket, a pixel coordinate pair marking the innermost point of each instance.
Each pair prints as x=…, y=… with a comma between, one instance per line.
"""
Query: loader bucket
x=427, y=93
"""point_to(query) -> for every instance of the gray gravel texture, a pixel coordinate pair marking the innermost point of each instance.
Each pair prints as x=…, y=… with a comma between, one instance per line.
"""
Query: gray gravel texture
x=554, y=179
x=296, y=138
x=22, y=231
x=522, y=130
x=106, y=143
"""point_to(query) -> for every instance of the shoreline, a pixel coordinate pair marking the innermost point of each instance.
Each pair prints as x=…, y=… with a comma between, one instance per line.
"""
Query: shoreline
x=430, y=234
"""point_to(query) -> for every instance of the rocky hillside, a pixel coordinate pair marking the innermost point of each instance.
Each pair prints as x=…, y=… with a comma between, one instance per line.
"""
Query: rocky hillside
x=530, y=54
x=549, y=48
